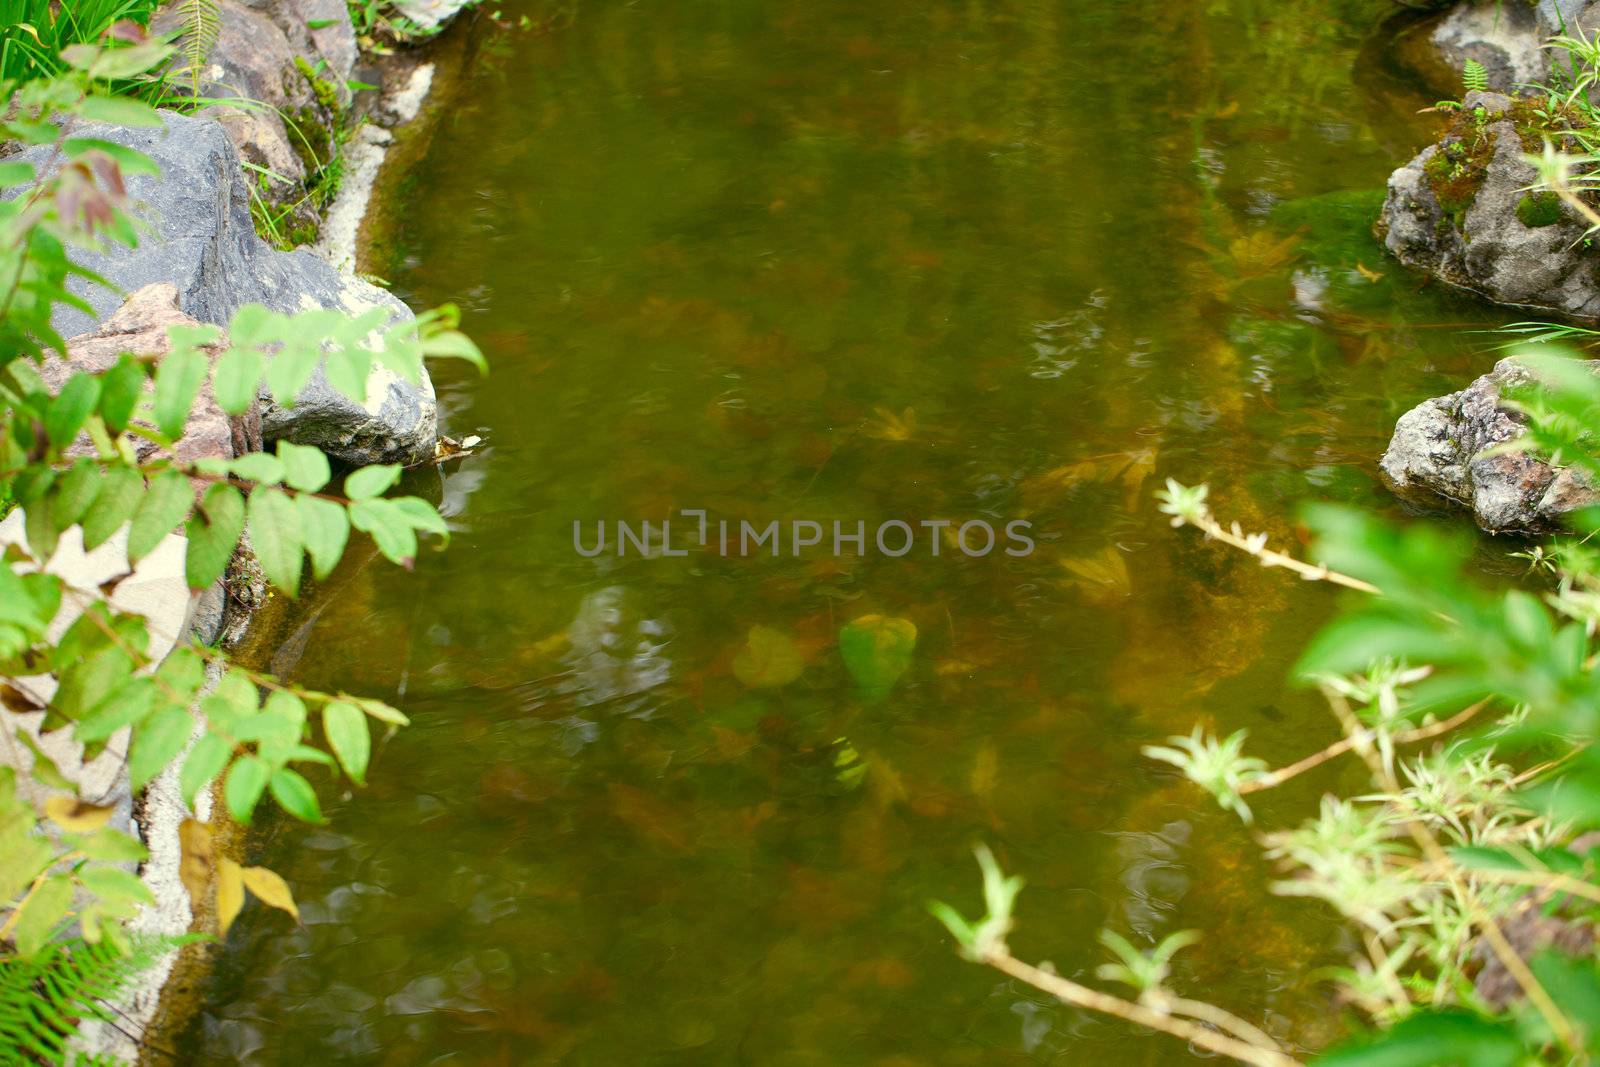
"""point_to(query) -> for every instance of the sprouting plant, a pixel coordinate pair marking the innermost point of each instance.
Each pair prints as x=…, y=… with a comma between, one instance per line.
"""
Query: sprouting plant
x=1145, y=971
x=987, y=936
x=1474, y=76
x=1219, y=767
x=202, y=24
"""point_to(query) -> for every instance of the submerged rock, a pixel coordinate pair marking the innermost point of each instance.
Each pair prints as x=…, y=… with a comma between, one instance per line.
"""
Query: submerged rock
x=1462, y=211
x=1441, y=449
x=197, y=235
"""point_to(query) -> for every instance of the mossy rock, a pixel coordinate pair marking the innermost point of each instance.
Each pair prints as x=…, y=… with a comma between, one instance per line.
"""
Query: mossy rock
x=1535, y=210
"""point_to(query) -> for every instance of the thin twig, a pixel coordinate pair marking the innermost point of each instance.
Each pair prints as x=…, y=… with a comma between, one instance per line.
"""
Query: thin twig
x=1257, y=547
x=1082, y=996
x=1348, y=742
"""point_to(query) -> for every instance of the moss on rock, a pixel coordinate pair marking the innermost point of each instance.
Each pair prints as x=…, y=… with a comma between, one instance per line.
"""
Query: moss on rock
x=1539, y=209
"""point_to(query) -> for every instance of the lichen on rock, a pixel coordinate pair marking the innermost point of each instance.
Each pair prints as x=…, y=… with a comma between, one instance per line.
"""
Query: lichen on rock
x=1450, y=449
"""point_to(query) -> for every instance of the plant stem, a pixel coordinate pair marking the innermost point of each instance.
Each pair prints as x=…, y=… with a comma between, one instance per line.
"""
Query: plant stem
x=1081, y=996
x=1348, y=742
x=1209, y=526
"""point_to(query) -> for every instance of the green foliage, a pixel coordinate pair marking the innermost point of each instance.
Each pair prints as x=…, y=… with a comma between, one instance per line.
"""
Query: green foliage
x=37, y=31
x=1474, y=77
x=877, y=651
x=44, y=999
x=102, y=454
x=202, y=23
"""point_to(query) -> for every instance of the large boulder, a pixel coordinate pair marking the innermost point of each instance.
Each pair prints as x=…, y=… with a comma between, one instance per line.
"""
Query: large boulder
x=1507, y=38
x=1463, y=212
x=1445, y=449
x=197, y=235
x=140, y=326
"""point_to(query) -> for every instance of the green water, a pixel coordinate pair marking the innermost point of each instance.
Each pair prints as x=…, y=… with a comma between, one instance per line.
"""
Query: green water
x=850, y=261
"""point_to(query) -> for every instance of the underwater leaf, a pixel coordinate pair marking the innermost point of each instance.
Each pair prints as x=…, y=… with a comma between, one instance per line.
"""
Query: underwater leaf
x=877, y=651
x=768, y=658
x=887, y=426
x=1103, y=575
x=194, y=869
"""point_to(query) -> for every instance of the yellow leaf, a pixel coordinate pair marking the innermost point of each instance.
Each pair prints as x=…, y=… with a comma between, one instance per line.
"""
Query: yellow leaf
x=194, y=869
x=1368, y=273
x=72, y=814
x=985, y=771
x=892, y=427
x=1261, y=253
x=230, y=894
x=1103, y=574
x=768, y=658
x=270, y=889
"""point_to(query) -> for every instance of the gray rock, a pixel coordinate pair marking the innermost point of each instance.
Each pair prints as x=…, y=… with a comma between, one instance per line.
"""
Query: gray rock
x=1439, y=451
x=198, y=236
x=1462, y=212
x=431, y=15
x=1506, y=37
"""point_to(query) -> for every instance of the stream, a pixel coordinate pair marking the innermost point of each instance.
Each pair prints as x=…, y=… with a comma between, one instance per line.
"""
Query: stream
x=942, y=260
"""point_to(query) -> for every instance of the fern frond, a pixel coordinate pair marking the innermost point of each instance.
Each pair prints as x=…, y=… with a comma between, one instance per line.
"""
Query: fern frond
x=46, y=998
x=202, y=24
x=1474, y=76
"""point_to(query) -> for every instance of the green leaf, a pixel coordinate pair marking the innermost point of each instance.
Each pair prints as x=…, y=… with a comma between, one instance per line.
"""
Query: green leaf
x=119, y=111
x=120, y=388
x=41, y=913
x=295, y=795
x=44, y=768
x=275, y=536
x=1432, y=1038
x=114, y=884
x=325, y=528
x=247, y=780
x=131, y=161
x=389, y=528
x=214, y=531
x=304, y=468
x=421, y=515
x=769, y=658
x=156, y=743
x=259, y=467
x=120, y=492
x=178, y=379
x=369, y=482
x=349, y=738
x=112, y=846
x=236, y=379
x=288, y=372
x=14, y=174
x=877, y=651
x=75, y=403
x=166, y=503
x=76, y=490
x=204, y=762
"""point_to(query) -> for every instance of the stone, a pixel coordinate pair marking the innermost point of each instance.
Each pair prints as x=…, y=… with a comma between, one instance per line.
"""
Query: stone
x=140, y=327
x=1506, y=38
x=1438, y=452
x=431, y=15
x=198, y=236
x=1462, y=212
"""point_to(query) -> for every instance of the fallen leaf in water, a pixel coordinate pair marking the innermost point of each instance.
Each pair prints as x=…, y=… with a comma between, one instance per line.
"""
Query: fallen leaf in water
x=1368, y=273
x=954, y=666
x=1103, y=574
x=985, y=771
x=891, y=427
x=769, y=658
x=877, y=651
x=1261, y=253
x=649, y=816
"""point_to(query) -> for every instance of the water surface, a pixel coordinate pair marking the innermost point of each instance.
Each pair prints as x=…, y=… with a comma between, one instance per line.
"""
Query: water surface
x=942, y=259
